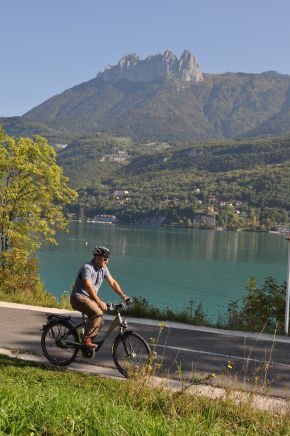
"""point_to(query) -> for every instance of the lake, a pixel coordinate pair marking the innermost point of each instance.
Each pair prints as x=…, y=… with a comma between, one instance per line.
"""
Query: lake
x=168, y=266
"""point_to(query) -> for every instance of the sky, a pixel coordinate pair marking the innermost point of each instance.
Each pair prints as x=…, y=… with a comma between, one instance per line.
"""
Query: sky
x=50, y=46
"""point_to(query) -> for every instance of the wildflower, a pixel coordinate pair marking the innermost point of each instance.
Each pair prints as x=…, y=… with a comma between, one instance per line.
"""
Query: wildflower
x=256, y=379
x=213, y=375
x=152, y=339
x=229, y=365
x=267, y=365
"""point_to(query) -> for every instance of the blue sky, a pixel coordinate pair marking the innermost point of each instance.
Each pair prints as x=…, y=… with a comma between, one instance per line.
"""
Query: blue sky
x=49, y=46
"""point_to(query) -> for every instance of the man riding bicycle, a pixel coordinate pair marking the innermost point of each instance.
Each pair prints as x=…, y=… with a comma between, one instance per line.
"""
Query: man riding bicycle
x=84, y=296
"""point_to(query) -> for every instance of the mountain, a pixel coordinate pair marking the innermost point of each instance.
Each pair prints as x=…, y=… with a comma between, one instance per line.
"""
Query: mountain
x=163, y=98
x=153, y=68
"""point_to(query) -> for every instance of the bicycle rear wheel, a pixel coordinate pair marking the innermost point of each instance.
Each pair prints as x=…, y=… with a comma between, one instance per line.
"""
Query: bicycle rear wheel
x=56, y=342
x=130, y=353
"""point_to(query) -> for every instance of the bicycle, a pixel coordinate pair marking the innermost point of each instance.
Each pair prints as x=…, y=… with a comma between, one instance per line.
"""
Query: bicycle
x=61, y=342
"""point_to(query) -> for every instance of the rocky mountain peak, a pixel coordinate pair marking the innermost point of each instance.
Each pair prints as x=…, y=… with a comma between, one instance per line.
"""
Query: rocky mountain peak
x=154, y=67
x=189, y=67
x=128, y=60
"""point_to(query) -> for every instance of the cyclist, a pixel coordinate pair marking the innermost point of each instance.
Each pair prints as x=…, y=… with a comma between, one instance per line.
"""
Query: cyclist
x=84, y=296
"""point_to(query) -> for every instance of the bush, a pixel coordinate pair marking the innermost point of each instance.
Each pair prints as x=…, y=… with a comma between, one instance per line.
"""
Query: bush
x=20, y=281
x=142, y=309
x=262, y=309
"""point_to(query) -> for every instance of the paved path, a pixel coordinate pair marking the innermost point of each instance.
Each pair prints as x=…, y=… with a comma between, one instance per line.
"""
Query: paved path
x=194, y=350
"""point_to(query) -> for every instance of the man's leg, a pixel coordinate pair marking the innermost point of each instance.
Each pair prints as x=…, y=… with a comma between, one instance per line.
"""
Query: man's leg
x=91, y=309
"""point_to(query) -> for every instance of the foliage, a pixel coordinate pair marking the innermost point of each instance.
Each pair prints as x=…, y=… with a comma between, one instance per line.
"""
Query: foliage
x=261, y=310
x=173, y=184
x=38, y=400
x=20, y=282
x=190, y=315
x=33, y=191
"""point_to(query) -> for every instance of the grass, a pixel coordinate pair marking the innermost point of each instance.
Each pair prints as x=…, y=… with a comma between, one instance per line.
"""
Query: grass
x=43, y=299
x=37, y=400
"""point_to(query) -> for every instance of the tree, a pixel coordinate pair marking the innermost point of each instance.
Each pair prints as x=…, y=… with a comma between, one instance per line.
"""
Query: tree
x=33, y=191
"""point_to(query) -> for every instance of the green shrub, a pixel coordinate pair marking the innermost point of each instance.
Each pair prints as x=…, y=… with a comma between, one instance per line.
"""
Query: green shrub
x=262, y=308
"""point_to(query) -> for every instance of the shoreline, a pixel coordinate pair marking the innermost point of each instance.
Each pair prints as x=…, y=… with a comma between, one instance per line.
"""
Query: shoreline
x=180, y=226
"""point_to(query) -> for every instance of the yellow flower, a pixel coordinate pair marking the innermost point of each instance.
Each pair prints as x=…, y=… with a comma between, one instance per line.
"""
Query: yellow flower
x=213, y=375
x=267, y=365
x=230, y=366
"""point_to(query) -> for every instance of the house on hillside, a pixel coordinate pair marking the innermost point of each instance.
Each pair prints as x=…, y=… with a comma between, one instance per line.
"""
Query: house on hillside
x=120, y=194
x=212, y=199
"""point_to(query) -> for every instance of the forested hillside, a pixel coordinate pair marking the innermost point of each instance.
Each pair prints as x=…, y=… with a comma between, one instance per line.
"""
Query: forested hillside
x=221, y=106
x=232, y=184
x=19, y=126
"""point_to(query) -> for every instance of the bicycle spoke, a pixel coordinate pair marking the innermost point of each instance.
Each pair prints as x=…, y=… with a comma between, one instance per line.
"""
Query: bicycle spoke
x=131, y=353
x=55, y=343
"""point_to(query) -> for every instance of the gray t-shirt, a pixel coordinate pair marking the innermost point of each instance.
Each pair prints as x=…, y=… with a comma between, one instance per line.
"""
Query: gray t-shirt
x=89, y=271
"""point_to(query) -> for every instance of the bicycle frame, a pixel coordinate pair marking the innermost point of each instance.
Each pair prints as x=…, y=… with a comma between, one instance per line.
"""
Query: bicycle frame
x=117, y=322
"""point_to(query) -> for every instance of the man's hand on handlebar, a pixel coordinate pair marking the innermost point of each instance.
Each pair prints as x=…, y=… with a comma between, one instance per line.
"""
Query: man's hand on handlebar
x=111, y=306
x=102, y=305
x=128, y=301
x=125, y=298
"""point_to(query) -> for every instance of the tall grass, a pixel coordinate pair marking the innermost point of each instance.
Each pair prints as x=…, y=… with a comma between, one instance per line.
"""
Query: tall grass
x=40, y=401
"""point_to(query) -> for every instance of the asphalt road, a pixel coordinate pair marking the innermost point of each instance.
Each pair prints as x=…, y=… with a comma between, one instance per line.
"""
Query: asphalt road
x=257, y=361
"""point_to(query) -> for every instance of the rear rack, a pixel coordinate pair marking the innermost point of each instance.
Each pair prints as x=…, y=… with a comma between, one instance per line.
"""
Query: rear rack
x=51, y=316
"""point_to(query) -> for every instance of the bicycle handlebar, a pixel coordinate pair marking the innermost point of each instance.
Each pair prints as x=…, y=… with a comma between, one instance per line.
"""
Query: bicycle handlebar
x=111, y=306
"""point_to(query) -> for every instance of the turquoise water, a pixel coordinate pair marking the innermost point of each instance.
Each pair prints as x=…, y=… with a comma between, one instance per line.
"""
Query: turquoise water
x=168, y=266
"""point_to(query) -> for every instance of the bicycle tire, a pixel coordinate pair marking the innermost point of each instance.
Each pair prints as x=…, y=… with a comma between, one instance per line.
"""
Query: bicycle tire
x=130, y=353
x=59, y=354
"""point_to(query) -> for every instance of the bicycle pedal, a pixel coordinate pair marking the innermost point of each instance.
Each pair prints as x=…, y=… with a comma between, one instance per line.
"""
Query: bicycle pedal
x=87, y=352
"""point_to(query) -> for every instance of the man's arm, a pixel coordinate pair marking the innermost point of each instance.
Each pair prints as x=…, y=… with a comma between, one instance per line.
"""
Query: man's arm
x=116, y=287
x=89, y=287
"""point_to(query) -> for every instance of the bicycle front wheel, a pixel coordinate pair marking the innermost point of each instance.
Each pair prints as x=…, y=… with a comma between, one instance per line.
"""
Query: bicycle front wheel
x=130, y=353
x=57, y=342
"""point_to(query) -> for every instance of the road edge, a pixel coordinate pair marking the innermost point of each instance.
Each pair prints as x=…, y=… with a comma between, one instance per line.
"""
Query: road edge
x=144, y=321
